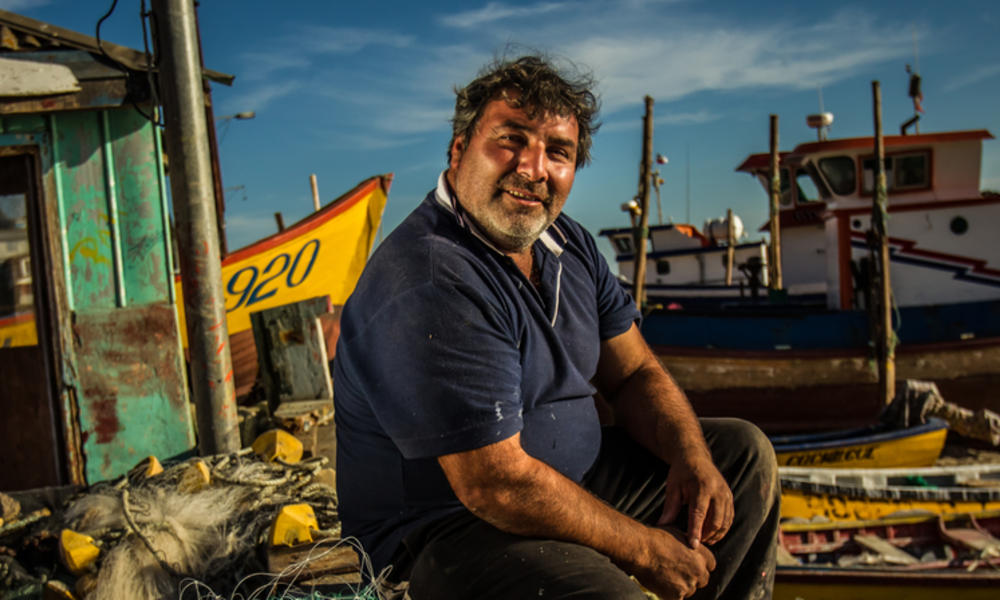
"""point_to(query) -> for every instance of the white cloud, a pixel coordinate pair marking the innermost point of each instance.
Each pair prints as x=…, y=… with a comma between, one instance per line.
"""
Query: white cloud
x=668, y=52
x=264, y=65
x=497, y=11
x=974, y=76
x=668, y=118
x=259, y=97
x=686, y=56
x=320, y=39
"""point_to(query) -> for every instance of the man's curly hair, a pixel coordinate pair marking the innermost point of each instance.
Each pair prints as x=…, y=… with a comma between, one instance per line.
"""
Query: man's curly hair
x=541, y=89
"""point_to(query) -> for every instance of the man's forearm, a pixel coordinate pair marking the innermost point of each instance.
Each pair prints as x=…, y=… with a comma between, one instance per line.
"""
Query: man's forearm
x=654, y=411
x=522, y=495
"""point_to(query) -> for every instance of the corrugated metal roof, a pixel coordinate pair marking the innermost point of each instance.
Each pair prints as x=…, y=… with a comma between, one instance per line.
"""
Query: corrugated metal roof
x=19, y=33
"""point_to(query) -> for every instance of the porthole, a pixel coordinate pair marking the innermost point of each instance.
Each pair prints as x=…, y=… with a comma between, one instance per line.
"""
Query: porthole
x=959, y=225
x=856, y=223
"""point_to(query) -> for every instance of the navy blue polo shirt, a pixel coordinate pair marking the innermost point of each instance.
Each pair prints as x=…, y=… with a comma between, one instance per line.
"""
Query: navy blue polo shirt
x=445, y=346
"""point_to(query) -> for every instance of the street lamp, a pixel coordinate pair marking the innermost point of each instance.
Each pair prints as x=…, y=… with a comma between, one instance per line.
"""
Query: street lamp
x=224, y=121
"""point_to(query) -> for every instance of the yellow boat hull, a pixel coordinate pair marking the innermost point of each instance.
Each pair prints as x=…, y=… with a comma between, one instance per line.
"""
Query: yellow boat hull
x=322, y=255
x=915, y=451
x=839, y=507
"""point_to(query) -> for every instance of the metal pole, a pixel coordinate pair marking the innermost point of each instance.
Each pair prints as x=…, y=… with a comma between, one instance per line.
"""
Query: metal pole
x=642, y=232
x=774, y=254
x=192, y=186
x=730, y=246
x=279, y=220
x=884, y=347
x=315, y=191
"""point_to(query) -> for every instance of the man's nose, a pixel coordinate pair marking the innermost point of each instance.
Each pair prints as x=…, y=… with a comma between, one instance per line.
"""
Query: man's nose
x=532, y=163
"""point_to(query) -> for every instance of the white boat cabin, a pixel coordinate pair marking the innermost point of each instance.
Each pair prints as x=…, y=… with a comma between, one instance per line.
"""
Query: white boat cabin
x=686, y=266
x=942, y=228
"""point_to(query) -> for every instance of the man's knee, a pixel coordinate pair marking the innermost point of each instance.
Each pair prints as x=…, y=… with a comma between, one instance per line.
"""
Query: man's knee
x=739, y=449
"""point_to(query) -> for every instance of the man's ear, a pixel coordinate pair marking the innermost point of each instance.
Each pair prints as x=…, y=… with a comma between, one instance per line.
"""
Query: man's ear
x=457, y=148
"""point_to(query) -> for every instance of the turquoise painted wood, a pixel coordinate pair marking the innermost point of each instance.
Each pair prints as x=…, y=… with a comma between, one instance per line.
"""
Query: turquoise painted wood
x=125, y=358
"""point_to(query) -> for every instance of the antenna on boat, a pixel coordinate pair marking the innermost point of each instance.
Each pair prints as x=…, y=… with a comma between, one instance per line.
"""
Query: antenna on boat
x=914, y=92
x=821, y=121
x=687, y=184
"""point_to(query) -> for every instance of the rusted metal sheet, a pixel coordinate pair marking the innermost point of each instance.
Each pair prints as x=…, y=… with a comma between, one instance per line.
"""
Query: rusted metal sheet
x=84, y=212
x=133, y=399
x=142, y=237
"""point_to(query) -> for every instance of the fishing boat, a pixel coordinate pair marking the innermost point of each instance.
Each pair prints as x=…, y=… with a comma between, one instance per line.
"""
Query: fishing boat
x=862, y=494
x=877, y=446
x=913, y=556
x=800, y=359
x=320, y=255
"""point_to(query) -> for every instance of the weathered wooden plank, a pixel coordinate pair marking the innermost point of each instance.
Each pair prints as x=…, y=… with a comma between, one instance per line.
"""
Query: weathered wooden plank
x=93, y=94
x=28, y=458
x=291, y=351
x=83, y=65
x=316, y=564
x=885, y=550
x=23, y=78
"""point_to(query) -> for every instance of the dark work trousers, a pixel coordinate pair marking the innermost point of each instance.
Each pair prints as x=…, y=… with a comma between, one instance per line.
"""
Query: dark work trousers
x=461, y=556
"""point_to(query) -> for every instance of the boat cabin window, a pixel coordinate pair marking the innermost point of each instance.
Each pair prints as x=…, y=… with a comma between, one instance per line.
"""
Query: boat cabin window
x=840, y=173
x=663, y=267
x=623, y=244
x=909, y=171
x=809, y=186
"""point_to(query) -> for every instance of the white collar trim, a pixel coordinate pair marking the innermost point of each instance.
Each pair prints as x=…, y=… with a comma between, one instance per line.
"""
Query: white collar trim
x=447, y=199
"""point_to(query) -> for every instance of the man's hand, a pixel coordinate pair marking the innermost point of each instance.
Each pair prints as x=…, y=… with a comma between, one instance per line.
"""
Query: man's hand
x=673, y=570
x=696, y=482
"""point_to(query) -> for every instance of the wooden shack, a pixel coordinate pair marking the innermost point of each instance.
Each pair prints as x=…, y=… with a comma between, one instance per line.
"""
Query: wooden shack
x=92, y=375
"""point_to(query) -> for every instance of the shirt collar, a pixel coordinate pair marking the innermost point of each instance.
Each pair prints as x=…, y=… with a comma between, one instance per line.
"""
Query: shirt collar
x=552, y=238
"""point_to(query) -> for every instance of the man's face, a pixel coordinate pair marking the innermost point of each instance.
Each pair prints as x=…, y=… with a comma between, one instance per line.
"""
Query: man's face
x=515, y=173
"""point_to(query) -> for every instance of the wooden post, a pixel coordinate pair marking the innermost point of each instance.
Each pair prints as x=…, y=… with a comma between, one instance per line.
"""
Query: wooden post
x=315, y=191
x=642, y=231
x=280, y=221
x=884, y=346
x=730, y=246
x=774, y=250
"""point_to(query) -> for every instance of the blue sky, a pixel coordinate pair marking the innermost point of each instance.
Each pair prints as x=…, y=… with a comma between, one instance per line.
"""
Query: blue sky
x=346, y=90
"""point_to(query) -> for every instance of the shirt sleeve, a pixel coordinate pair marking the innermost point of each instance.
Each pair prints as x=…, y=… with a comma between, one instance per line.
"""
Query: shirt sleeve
x=615, y=305
x=446, y=376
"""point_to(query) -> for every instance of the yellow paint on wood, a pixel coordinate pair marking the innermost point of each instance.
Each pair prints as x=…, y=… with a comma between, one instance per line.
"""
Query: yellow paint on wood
x=293, y=525
x=77, y=551
x=805, y=505
x=278, y=444
x=916, y=451
x=324, y=261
